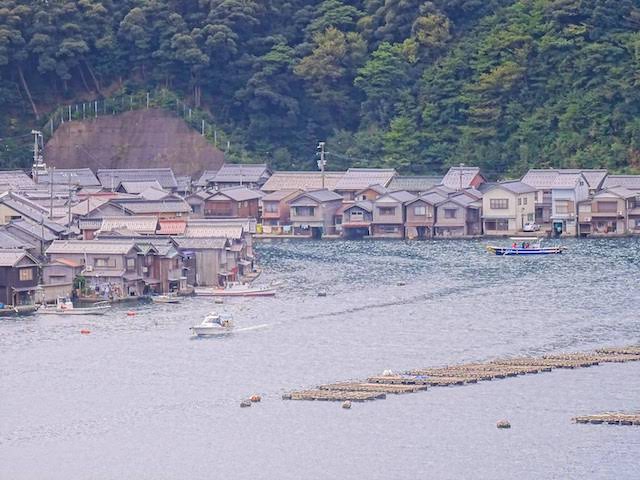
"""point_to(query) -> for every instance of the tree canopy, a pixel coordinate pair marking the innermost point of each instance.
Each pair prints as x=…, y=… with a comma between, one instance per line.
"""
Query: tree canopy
x=415, y=85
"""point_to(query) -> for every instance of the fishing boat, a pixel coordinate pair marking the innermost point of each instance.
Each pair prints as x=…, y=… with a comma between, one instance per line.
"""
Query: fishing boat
x=236, y=290
x=165, y=299
x=64, y=306
x=17, y=311
x=213, y=325
x=525, y=246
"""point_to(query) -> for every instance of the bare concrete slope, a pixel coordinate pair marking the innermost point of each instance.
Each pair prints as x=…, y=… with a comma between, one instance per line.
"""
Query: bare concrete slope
x=137, y=139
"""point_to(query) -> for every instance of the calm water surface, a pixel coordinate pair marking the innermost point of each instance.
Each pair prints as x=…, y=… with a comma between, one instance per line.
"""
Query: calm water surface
x=139, y=398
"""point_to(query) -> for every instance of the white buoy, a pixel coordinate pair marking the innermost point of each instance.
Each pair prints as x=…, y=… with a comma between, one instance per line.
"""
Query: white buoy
x=346, y=404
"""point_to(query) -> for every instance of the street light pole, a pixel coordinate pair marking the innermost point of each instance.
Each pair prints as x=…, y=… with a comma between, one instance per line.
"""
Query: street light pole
x=322, y=162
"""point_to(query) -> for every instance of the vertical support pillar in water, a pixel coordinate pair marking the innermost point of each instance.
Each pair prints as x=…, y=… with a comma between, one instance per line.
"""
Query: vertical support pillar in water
x=95, y=108
x=202, y=128
x=69, y=112
x=147, y=100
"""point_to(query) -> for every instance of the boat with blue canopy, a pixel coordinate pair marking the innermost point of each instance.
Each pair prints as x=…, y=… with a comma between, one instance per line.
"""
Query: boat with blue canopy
x=525, y=246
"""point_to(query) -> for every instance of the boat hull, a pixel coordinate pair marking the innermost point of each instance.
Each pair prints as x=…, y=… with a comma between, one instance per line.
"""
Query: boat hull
x=222, y=292
x=75, y=311
x=210, y=331
x=507, y=251
x=165, y=300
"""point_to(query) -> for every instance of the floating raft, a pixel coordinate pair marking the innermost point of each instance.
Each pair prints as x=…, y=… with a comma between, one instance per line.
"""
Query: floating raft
x=610, y=418
x=379, y=386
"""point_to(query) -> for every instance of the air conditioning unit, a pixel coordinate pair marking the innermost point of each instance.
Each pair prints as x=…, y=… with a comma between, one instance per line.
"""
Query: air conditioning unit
x=89, y=268
x=145, y=269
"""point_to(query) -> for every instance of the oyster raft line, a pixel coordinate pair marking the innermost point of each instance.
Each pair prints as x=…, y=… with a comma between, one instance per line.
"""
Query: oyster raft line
x=377, y=387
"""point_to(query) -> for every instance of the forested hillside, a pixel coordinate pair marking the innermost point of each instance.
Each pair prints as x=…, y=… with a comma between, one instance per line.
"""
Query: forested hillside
x=415, y=85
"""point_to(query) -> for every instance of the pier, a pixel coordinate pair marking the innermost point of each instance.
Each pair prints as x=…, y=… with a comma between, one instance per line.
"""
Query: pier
x=378, y=386
x=610, y=418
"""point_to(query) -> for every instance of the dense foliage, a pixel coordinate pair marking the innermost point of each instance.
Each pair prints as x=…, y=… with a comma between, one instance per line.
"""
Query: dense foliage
x=410, y=84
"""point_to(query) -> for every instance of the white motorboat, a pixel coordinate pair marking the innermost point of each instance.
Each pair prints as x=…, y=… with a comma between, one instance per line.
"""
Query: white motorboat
x=165, y=299
x=236, y=290
x=213, y=325
x=64, y=306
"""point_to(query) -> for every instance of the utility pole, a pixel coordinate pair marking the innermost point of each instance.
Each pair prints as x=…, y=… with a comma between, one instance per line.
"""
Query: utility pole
x=322, y=162
x=50, y=193
x=38, y=164
x=461, y=171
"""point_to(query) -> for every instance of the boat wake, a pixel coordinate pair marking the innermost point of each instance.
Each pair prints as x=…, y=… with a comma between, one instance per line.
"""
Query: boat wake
x=255, y=327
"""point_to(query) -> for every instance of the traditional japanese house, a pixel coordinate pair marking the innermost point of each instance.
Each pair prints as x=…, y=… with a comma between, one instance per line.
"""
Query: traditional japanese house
x=205, y=260
x=356, y=219
x=304, y=181
x=420, y=215
x=19, y=277
x=357, y=179
x=275, y=210
x=609, y=212
x=234, y=175
x=389, y=215
x=313, y=213
x=413, y=184
x=459, y=178
x=507, y=207
x=458, y=216
x=235, y=202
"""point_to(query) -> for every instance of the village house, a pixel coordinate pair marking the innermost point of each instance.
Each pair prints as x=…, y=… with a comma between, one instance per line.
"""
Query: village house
x=139, y=225
x=206, y=179
x=370, y=193
x=19, y=277
x=169, y=207
x=459, y=178
x=414, y=184
x=507, y=207
x=458, y=216
x=59, y=278
x=313, y=213
x=112, y=269
x=420, y=214
x=196, y=202
x=205, y=260
x=276, y=210
x=388, y=215
x=235, y=175
x=234, y=202
x=111, y=178
x=14, y=207
x=358, y=179
x=238, y=230
x=543, y=181
x=304, y=181
x=612, y=211
x=356, y=219
x=567, y=191
x=34, y=238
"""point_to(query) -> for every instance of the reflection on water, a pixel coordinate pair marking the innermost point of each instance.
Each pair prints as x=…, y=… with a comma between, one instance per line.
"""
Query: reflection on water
x=137, y=398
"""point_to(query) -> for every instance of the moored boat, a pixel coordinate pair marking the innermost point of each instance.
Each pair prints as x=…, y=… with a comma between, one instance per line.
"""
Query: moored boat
x=236, y=290
x=525, y=246
x=165, y=299
x=64, y=306
x=213, y=325
x=18, y=311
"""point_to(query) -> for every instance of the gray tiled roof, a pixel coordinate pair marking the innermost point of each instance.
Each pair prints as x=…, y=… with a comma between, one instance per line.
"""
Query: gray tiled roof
x=301, y=181
x=365, y=205
x=631, y=182
x=84, y=177
x=515, y=187
x=413, y=184
x=460, y=175
x=279, y=195
x=621, y=192
x=360, y=178
x=139, y=224
x=137, y=187
x=321, y=195
x=15, y=180
x=567, y=180
x=544, y=179
x=201, y=243
x=249, y=173
x=7, y=240
x=200, y=230
x=32, y=229
x=402, y=196
x=28, y=209
x=239, y=194
x=207, y=177
x=112, y=177
x=11, y=257
x=137, y=206
x=184, y=182
x=90, y=247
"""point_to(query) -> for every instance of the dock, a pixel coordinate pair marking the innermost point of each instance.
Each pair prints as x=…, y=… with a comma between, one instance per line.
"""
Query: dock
x=609, y=418
x=379, y=386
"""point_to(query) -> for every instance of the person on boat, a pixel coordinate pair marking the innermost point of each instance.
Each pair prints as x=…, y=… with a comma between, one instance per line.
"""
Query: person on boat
x=527, y=245
x=514, y=245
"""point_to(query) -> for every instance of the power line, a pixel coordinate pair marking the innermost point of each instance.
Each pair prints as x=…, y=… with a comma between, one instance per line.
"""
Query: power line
x=345, y=157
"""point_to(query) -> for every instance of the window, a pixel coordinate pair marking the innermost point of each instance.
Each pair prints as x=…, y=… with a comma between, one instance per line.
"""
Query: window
x=499, y=203
x=104, y=262
x=564, y=206
x=26, y=274
x=387, y=228
x=305, y=211
x=450, y=212
x=420, y=210
x=387, y=210
x=608, y=207
x=131, y=264
x=271, y=207
x=356, y=216
x=519, y=201
x=530, y=217
x=501, y=224
x=524, y=200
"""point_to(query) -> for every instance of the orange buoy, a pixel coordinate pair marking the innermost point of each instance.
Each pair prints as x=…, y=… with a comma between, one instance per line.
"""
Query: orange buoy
x=131, y=313
x=85, y=332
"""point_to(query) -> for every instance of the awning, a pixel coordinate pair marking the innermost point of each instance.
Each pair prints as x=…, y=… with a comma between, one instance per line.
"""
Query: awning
x=25, y=289
x=244, y=263
x=151, y=281
x=225, y=274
